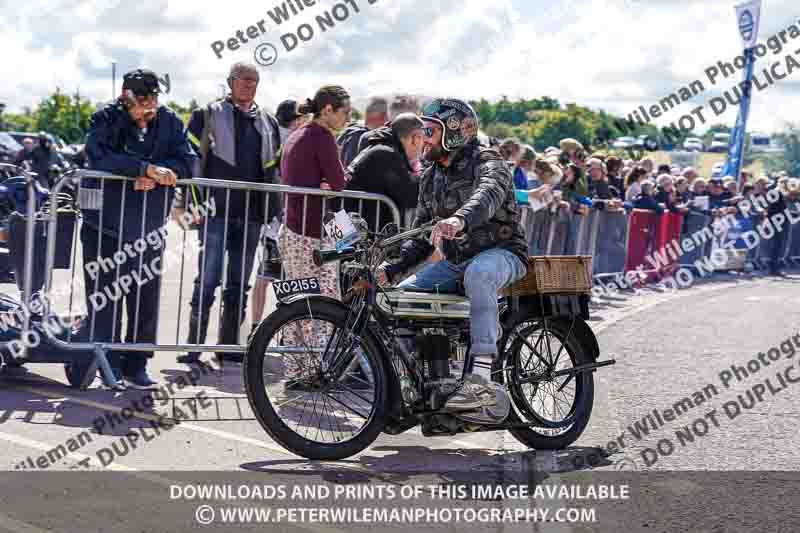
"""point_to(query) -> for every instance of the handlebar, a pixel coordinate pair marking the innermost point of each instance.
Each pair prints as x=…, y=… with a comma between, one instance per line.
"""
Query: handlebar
x=320, y=257
x=410, y=234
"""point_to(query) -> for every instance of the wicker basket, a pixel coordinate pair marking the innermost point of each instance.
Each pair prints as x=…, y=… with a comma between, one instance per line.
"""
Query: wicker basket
x=558, y=274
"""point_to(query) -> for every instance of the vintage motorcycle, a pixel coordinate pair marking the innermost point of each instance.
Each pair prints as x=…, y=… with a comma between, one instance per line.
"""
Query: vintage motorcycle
x=326, y=377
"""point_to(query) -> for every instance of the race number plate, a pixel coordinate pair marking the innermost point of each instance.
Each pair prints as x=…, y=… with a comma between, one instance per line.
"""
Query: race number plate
x=342, y=231
x=285, y=289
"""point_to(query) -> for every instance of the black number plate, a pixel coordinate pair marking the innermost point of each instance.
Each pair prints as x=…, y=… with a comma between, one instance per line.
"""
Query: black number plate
x=285, y=289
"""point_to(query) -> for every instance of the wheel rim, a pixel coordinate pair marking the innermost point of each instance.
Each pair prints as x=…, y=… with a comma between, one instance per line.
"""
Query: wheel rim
x=300, y=393
x=538, y=351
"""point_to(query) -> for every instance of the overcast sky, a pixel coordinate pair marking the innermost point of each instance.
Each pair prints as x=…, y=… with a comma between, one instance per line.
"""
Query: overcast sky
x=610, y=54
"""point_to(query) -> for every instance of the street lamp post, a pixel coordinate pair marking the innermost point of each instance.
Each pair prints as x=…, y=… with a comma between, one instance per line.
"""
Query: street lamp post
x=113, y=79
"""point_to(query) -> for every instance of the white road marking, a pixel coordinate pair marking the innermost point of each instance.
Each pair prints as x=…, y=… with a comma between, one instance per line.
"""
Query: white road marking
x=144, y=416
x=10, y=524
x=77, y=456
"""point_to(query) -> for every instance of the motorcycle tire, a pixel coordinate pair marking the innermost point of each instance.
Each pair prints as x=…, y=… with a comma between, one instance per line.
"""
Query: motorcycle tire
x=543, y=437
x=263, y=408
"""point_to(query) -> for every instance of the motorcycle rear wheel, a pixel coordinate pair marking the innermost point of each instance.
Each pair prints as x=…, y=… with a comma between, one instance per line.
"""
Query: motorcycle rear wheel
x=565, y=423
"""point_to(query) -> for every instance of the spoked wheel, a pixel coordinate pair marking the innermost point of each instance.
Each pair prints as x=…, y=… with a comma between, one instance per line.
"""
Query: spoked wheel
x=558, y=406
x=292, y=393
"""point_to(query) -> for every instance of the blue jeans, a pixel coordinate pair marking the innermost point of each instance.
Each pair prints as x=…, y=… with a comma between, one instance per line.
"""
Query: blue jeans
x=211, y=259
x=484, y=275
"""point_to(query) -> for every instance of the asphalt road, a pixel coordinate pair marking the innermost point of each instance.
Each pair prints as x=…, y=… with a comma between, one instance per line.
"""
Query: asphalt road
x=668, y=346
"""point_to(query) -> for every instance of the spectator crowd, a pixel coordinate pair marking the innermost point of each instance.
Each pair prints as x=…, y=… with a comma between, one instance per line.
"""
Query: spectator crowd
x=568, y=178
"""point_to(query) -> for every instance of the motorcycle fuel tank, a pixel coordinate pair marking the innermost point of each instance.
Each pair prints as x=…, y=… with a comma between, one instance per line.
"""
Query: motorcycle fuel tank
x=403, y=303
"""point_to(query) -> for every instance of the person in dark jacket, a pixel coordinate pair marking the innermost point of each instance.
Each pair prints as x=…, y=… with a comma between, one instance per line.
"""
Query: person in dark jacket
x=781, y=194
x=351, y=141
x=470, y=188
x=236, y=140
x=614, y=167
x=646, y=200
x=46, y=159
x=718, y=197
x=720, y=201
x=26, y=154
x=603, y=194
x=682, y=192
x=574, y=190
x=133, y=137
x=385, y=167
x=665, y=194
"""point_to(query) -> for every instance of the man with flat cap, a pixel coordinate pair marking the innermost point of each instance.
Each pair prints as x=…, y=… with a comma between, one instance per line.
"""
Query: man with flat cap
x=136, y=137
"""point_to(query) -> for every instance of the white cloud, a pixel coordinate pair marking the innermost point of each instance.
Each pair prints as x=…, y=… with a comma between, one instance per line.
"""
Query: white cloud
x=611, y=54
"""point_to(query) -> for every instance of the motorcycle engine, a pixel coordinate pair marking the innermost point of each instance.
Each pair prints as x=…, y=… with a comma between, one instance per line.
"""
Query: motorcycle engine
x=436, y=349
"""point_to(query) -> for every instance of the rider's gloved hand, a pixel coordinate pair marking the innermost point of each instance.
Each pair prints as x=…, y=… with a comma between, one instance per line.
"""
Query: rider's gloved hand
x=381, y=276
x=446, y=229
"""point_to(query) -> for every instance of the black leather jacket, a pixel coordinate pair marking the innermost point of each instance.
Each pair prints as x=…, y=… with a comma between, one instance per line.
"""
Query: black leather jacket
x=477, y=186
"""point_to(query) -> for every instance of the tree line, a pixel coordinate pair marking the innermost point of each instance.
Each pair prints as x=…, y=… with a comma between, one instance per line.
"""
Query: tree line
x=540, y=122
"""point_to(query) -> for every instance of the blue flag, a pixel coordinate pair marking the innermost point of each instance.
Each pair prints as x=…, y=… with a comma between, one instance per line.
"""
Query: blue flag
x=733, y=164
x=748, y=17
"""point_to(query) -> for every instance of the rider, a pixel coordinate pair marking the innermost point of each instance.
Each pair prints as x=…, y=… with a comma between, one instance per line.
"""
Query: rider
x=470, y=188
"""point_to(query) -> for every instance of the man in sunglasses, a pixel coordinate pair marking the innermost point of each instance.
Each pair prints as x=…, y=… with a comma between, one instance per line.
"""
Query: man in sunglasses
x=470, y=188
x=135, y=137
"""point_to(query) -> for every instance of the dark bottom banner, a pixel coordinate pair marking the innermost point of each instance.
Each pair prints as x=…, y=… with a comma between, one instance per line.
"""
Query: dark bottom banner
x=327, y=498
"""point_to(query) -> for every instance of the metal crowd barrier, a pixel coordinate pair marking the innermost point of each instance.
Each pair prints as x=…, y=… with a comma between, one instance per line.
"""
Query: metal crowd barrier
x=170, y=290
x=611, y=245
x=599, y=233
x=621, y=243
x=788, y=238
x=794, y=237
x=607, y=236
x=694, y=224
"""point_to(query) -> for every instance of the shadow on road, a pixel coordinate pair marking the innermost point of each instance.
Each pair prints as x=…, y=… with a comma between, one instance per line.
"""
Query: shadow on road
x=440, y=465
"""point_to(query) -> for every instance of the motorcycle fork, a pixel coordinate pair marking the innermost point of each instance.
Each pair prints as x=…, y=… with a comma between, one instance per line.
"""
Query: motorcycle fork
x=336, y=361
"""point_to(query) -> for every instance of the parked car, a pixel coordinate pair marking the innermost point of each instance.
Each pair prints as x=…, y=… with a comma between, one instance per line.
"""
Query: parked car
x=9, y=148
x=645, y=142
x=623, y=142
x=19, y=136
x=762, y=143
x=66, y=151
x=719, y=142
x=693, y=144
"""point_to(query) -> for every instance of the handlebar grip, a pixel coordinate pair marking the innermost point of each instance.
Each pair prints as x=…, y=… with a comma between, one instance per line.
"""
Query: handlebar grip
x=321, y=257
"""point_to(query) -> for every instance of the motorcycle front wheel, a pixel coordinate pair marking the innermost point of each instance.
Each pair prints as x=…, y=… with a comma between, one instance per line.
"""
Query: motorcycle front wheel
x=293, y=397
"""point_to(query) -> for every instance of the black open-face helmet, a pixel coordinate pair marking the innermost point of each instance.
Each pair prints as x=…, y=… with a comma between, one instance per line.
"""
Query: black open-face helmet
x=458, y=120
